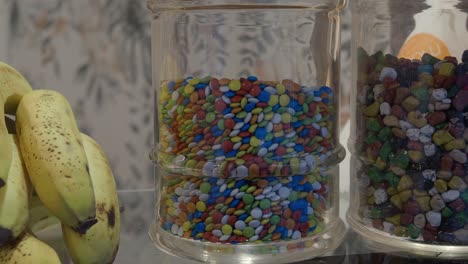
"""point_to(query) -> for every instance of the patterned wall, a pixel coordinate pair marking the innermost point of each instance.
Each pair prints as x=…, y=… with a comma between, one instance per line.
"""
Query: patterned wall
x=98, y=54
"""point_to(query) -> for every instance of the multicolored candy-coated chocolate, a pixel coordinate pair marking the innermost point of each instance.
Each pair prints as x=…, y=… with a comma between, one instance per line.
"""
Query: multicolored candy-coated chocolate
x=244, y=128
x=243, y=211
x=243, y=160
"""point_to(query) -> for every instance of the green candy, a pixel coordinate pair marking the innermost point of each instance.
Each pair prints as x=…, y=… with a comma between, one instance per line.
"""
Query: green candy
x=429, y=59
x=241, y=115
x=248, y=232
x=464, y=196
x=447, y=212
x=373, y=124
x=400, y=160
x=206, y=80
x=293, y=196
x=385, y=151
x=375, y=174
x=421, y=93
x=248, y=198
x=371, y=138
x=385, y=134
x=244, y=102
x=210, y=117
x=265, y=204
x=392, y=179
x=413, y=231
x=375, y=213
x=452, y=91
x=205, y=187
x=275, y=220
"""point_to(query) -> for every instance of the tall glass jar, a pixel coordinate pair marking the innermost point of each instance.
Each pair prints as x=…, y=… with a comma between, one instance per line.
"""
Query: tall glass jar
x=246, y=129
x=409, y=130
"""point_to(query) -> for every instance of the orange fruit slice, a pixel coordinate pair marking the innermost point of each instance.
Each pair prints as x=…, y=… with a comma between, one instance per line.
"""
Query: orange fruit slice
x=418, y=44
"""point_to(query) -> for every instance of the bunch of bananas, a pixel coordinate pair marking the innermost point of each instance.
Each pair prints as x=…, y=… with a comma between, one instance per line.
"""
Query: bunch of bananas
x=49, y=171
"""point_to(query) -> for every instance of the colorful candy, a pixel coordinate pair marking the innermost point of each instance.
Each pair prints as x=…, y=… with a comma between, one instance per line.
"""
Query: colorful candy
x=243, y=210
x=243, y=160
x=244, y=128
x=413, y=117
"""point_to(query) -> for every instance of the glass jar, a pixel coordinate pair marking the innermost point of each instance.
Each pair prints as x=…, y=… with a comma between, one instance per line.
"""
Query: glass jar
x=409, y=129
x=246, y=129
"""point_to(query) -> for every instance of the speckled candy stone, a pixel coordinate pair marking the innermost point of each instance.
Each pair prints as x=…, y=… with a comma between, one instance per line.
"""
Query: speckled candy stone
x=413, y=116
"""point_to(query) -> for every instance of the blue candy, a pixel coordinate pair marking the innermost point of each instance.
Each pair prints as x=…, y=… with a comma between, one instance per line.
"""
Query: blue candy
x=200, y=86
x=277, y=139
x=234, y=203
x=171, y=85
x=261, y=133
x=198, y=138
x=231, y=153
x=308, y=187
x=219, y=152
x=227, y=110
x=264, y=96
x=304, y=132
x=245, y=127
x=198, y=214
x=252, y=78
x=245, y=140
x=296, y=124
x=210, y=201
x=243, y=217
x=200, y=227
x=239, y=184
x=303, y=219
x=230, y=93
x=326, y=89
x=298, y=148
x=249, y=107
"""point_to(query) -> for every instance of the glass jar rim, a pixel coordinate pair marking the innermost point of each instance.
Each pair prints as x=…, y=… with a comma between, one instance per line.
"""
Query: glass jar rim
x=161, y=5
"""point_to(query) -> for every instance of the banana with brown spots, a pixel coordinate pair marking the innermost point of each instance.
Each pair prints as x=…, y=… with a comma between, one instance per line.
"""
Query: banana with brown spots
x=55, y=159
x=14, y=198
x=13, y=86
x=28, y=250
x=100, y=243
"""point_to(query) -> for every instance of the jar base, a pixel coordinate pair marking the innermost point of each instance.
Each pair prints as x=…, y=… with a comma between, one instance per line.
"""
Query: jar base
x=274, y=252
x=380, y=241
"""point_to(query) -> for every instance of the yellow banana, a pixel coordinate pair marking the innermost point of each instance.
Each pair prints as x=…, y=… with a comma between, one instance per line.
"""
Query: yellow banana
x=12, y=88
x=54, y=156
x=5, y=149
x=28, y=250
x=40, y=218
x=14, y=198
x=100, y=243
